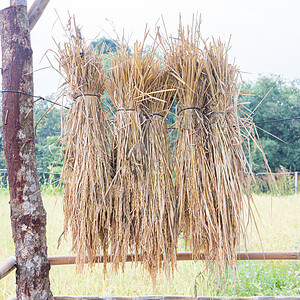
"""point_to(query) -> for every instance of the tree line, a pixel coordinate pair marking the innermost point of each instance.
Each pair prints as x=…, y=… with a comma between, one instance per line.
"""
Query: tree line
x=275, y=99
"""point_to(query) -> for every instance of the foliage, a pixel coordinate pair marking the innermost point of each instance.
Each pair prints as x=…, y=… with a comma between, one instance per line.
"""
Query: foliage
x=263, y=279
x=285, y=183
x=3, y=182
x=105, y=45
x=48, y=149
x=279, y=100
x=48, y=133
x=51, y=183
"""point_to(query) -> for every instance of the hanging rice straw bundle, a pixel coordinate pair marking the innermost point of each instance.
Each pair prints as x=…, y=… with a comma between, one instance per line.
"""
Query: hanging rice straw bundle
x=159, y=229
x=212, y=167
x=86, y=169
x=129, y=83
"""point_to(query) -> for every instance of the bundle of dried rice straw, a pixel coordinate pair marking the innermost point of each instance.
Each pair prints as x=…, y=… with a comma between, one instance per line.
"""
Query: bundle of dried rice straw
x=128, y=78
x=160, y=226
x=143, y=218
x=212, y=168
x=86, y=170
x=123, y=198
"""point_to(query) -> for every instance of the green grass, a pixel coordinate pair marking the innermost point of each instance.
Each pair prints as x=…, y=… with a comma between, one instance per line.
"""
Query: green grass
x=279, y=227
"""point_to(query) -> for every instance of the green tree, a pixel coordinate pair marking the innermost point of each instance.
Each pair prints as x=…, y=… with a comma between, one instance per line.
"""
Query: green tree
x=106, y=46
x=281, y=100
x=48, y=133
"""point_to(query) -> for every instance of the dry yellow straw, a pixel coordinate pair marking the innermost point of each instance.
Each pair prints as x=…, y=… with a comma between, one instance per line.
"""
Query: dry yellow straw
x=123, y=198
x=212, y=168
x=143, y=219
x=86, y=170
x=124, y=87
x=159, y=226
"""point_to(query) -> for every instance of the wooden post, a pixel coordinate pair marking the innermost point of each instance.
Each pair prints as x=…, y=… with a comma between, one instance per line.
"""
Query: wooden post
x=296, y=183
x=28, y=216
x=35, y=11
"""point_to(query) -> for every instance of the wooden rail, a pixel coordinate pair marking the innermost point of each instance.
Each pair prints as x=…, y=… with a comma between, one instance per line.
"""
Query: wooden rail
x=187, y=256
x=171, y=298
x=7, y=266
x=10, y=263
x=35, y=12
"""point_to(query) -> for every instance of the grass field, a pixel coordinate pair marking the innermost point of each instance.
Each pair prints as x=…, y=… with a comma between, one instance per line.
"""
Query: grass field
x=279, y=227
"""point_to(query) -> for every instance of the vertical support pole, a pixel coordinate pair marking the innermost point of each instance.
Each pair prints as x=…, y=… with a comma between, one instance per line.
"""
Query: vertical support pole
x=296, y=183
x=28, y=216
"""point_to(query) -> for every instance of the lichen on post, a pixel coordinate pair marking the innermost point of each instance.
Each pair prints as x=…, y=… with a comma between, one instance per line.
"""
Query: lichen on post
x=28, y=216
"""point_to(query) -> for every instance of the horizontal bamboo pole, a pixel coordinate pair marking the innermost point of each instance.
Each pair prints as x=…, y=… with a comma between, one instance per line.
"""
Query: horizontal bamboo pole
x=171, y=298
x=187, y=256
x=10, y=263
x=7, y=266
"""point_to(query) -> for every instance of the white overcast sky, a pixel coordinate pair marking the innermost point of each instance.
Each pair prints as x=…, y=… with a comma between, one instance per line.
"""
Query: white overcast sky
x=265, y=34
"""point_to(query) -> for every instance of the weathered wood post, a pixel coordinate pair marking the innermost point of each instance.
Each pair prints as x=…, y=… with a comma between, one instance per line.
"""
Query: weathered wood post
x=28, y=216
x=35, y=12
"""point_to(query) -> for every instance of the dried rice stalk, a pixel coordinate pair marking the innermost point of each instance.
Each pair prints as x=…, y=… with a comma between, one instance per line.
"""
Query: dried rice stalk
x=128, y=78
x=159, y=226
x=212, y=167
x=86, y=170
x=143, y=218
